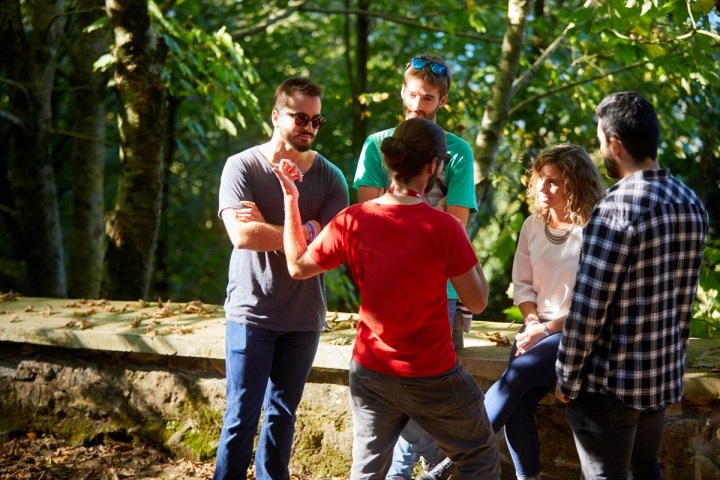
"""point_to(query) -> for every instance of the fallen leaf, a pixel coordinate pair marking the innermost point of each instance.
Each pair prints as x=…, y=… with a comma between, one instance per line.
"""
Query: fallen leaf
x=499, y=339
x=9, y=296
x=198, y=307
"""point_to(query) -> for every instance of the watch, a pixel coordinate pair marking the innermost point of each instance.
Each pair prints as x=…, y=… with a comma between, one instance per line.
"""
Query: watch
x=545, y=329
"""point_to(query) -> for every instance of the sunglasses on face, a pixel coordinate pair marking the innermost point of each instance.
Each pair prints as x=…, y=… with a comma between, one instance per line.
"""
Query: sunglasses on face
x=302, y=119
x=437, y=68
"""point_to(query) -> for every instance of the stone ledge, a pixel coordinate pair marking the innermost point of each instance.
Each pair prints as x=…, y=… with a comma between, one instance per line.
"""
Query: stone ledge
x=73, y=368
x=164, y=330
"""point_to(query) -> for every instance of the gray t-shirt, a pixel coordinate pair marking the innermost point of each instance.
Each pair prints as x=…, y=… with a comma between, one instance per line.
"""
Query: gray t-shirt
x=260, y=291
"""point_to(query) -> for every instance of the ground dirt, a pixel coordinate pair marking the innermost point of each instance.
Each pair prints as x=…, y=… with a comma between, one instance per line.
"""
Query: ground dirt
x=48, y=458
x=56, y=459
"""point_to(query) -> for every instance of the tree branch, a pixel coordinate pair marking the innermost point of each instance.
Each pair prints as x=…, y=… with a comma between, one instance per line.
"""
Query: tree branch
x=523, y=79
x=398, y=20
x=17, y=121
x=67, y=133
x=8, y=211
x=568, y=86
x=282, y=14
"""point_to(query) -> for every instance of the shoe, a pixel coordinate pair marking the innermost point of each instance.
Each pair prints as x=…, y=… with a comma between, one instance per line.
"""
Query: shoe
x=441, y=471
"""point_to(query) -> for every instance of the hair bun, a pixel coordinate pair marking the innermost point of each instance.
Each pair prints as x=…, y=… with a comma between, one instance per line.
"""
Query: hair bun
x=394, y=149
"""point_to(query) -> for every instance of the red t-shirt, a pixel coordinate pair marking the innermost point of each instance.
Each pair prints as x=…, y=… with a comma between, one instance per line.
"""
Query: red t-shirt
x=401, y=257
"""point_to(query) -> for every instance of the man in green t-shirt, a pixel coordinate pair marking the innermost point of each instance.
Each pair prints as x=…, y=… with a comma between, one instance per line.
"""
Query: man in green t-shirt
x=424, y=91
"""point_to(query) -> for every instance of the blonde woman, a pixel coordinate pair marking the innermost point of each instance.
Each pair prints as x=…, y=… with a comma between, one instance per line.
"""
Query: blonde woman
x=564, y=186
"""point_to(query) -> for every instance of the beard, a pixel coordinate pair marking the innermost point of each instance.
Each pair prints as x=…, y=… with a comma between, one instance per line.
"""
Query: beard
x=419, y=113
x=299, y=140
x=433, y=178
x=612, y=167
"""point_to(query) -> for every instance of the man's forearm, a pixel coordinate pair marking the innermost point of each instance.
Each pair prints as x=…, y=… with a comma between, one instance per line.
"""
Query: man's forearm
x=260, y=237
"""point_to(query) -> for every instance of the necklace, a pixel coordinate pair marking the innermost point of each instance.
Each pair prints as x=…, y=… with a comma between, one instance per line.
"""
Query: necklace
x=410, y=193
x=556, y=239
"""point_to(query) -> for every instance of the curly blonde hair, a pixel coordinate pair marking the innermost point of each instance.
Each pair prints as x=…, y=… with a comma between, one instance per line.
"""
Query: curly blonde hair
x=584, y=185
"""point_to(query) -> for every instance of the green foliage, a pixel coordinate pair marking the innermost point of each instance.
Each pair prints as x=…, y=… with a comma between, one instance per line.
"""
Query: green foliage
x=211, y=67
x=226, y=58
x=706, y=310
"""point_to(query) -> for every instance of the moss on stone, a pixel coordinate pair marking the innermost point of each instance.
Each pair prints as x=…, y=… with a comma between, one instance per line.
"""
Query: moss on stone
x=312, y=453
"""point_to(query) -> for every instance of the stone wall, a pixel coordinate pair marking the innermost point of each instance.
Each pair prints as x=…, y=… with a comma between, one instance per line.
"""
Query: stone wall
x=156, y=372
x=178, y=402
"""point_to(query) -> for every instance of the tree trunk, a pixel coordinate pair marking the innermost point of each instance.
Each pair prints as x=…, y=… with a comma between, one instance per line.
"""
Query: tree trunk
x=161, y=277
x=132, y=226
x=31, y=69
x=87, y=246
x=501, y=94
x=359, y=84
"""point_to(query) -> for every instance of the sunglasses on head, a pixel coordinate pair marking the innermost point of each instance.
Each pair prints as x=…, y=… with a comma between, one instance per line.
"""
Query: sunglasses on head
x=437, y=68
x=302, y=119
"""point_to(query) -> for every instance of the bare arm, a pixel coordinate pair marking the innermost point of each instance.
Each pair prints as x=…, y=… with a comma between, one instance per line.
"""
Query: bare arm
x=528, y=308
x=369, y=193
x=250, y=231
x=252, y=235
x=300, y=263
x=461, y=213
x=472, y=288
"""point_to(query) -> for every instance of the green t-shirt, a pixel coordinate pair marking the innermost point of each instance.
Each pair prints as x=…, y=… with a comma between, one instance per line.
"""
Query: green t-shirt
x=457, y=176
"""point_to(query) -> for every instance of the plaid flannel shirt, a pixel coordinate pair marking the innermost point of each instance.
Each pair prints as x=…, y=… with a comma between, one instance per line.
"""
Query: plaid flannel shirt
x=627, y=329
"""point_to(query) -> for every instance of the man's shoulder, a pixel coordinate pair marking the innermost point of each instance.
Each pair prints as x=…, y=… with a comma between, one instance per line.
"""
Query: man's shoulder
x=456, y=144
x=330, y=166
x=249, y=154
x=378, y=137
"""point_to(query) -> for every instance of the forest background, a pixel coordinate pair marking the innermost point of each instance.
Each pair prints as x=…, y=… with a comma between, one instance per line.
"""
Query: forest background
x=117, y=116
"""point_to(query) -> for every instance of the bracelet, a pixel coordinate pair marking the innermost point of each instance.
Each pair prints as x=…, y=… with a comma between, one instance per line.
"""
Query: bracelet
x=311, y=229
x=530, y=319
x=545, y=329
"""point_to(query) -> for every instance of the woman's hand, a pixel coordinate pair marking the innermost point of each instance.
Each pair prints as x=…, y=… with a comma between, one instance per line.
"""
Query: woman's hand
x=529, y=337
x=287, y=172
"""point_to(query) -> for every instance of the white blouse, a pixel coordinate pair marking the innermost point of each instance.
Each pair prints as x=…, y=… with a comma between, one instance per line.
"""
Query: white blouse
x=543, y=272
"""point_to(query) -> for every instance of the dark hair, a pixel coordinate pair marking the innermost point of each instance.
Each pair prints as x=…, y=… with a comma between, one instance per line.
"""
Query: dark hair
x=293, y=85
x=415, y=143
x=584, y=185
x=630, y=118
x=427, y=76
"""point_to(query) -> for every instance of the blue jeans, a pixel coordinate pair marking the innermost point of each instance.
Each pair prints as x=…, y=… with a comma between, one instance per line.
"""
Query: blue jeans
x=614, y=439
x=264, y=369
x=449, y=406
x=414, y=442
x=512, y=401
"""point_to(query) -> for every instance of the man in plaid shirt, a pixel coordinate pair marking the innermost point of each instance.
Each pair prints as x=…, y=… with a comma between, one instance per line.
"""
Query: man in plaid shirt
x=622, y=352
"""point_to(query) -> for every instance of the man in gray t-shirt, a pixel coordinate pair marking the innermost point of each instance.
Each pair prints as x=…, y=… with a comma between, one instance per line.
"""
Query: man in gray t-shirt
x=273, y=321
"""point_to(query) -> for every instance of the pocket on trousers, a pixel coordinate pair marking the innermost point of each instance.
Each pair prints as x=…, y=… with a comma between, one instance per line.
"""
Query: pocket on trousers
x=361, y=392
x=443, y=394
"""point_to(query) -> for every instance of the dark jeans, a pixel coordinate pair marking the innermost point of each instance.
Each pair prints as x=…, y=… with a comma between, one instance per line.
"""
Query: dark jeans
x=265, y=369
x=512, y=401
x=615, y=441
